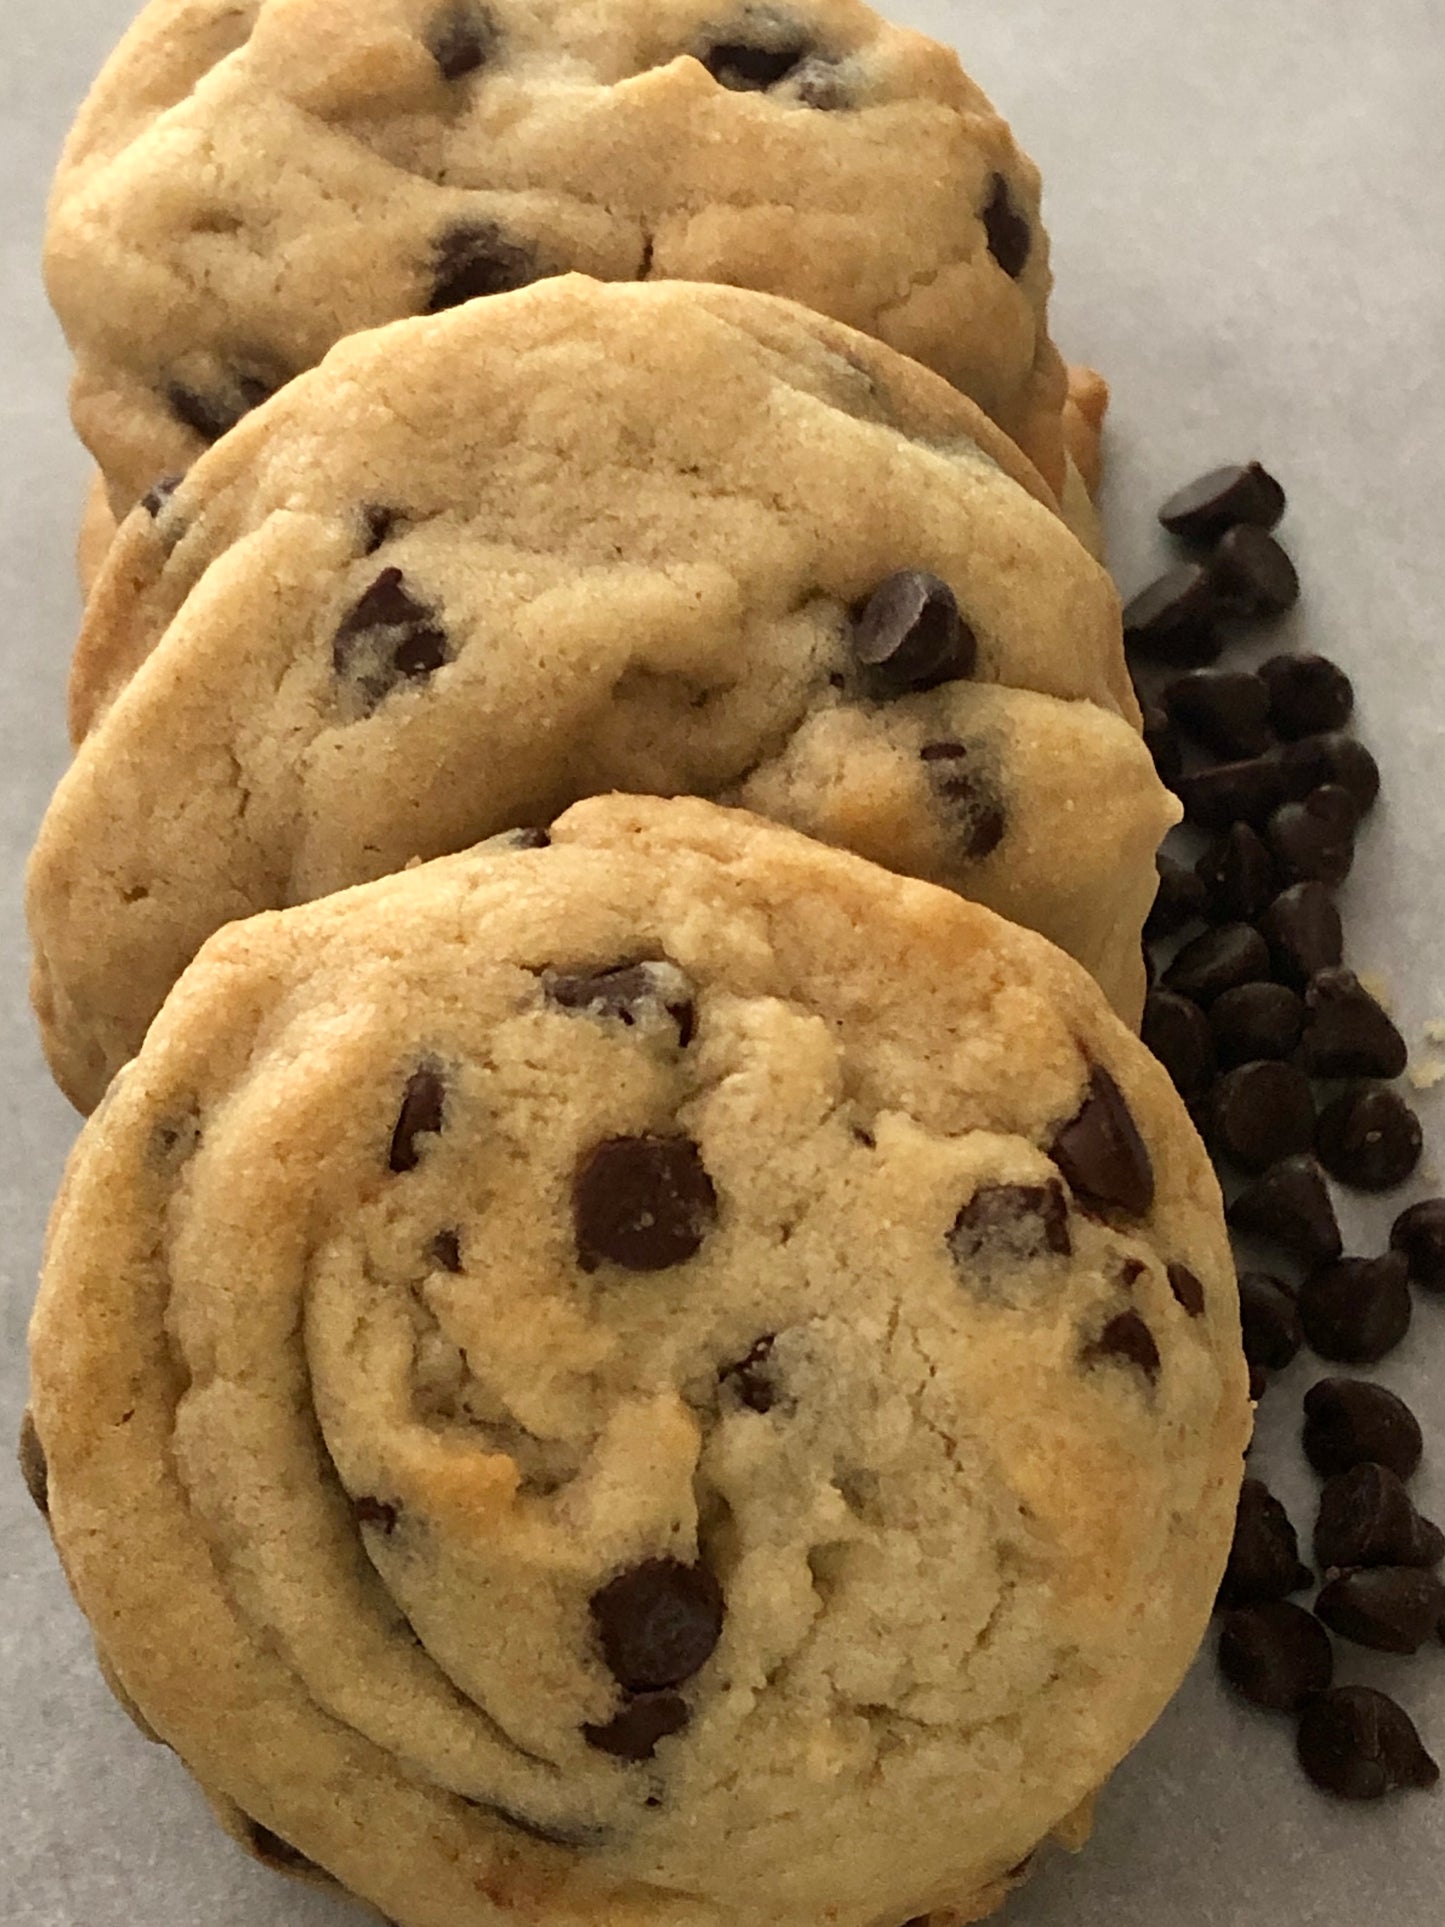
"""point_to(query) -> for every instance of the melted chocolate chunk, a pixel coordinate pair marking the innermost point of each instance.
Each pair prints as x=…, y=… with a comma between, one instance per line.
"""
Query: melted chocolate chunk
x=1101, y=1153
x=379, y=1513
x=752, y=1377
x=388, y=638
x=215, y=413
x=446, y=1250
x=1010, y=238
x=970, y=796
x=1127, y=1337
x=630, y=993
x=747, y=68
x=378, y=525
x=633, y=1734
x=658, y=1623
x=422, y=1107
x=909, y=635
x=159, y=494
x=1011, y=1223
x=1187, y=1289
x=461, y=40
x=643, y=1203
x=33, y=1469
x=479, y=260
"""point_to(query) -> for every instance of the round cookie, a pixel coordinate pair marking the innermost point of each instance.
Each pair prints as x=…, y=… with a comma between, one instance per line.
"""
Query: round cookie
x=587, y=536
x=674, y=1377
x=252, y=180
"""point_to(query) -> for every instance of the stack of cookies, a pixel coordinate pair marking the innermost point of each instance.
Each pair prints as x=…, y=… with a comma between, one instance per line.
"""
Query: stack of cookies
x=670, y=1365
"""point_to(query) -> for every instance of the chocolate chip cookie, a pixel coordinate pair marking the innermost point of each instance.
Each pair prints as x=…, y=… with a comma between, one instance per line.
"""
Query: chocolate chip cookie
x=251, y=180
x=587, y=536
x=667, y=1376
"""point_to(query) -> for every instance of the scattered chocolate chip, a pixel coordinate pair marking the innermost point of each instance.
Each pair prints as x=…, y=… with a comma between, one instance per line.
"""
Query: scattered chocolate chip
x=658, y=1623
x=1238, y=875
x=422, y=1106
x=644, y=1203
x=376, y=1512
x=463, y=39
x=1276, y=1654
x=212, y=415
x=31, y=1454
x=1391, y=1609
x=1217, y=961
x=1163, y=745
x=1260, y=1113
x=750, y=69
x=1181, y=900
x=1225, y=709
x=277, y=1853
x=1252, y=573
x=1015, y=1223
x=1177, y=1031
x=1350, y=1422
x=1255, y=1021
x=1244, y=792
x=1172, y=620
x=446, y=1250
x=633, y=994
x=1369, y=1138
x=1308, y=695
x=1314, y=840
x=378, y=525
x=1269, y=1317
x=1366, y=1518
x=387, y=638
x=1217, y=502
x=1187, y=1289
x=1010, y=238
x=1303, y=930
x=909, y=634
x=970, y=795
x=159, y=494
x=1347, y=1033
x=1264, y=1561
x=1290, y=1206
x=634, y=1733
x=1419, y=1232
x=478, y=260
x=1359, y=1744
x=1127, y=1337
x=1355, y=1310
x=752, y=1377
x=1101, y=1153
x=1316, y=761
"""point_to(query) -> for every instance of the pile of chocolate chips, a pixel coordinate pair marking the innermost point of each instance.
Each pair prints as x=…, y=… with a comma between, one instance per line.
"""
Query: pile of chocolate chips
x=1289, y=1067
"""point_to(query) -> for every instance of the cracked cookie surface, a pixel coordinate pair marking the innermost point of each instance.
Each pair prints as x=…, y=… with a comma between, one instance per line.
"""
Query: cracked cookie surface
x=667, y=1377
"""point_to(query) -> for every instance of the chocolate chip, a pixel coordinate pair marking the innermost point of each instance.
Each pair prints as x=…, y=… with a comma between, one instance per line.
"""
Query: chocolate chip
x=422, y=1106
x=1244, y=792
x=1258, y=1386
x=1334, y=758
x=1270, y=1320
x=1010, y=238
x=1419, y=1232
x=387, y=638
x=1369, y=1138
x=1181, y=900
x=31, y=1454
x=1172, y=620
x=1225, y=709
x=1308, y=695
x=1163, y=745
x=1127, y=1337
x=214, y=414
x=1260, y=1113
x=1276, y=1654
x=379, y=1513
x=277, y=1853
x=463, y=39
x=1350, y=1422
x=1015, y=1223
x=1255, y=1021
x=1178, y=1033
x=1303, y=930
x=909, y=635
x=1238, y=875
x=1264, y=1561
x=159, y=494
x=523, y=839
x=970, y=796
x=1217, y=961
x=478, y=260
x=446, y=1250
x=1314, y=840
x=378, y=525
x=1390, y=1609
x=634, y=995
x=644, y=1203
x=1347, y=1033
x=1252, y=573
x=752, y=1377
x=1290, y=1206
x=1355, y=1310
x=1359, y=1744
x=634, y=1733
x=658, y=1623
x=1366, y=1518
x=1218, y=501
x=1101, y=1153
x=750, y=69
x=1187, y=1289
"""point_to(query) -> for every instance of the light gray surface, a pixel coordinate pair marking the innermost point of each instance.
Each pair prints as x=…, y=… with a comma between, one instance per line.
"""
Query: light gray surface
x=1247, y=204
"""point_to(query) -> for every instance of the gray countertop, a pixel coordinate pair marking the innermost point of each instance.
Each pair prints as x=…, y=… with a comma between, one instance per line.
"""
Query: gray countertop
x=1247, y=203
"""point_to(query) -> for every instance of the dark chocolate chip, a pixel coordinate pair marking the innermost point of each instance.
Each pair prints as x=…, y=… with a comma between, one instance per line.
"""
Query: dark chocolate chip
x=446, y=1250
x=634, y=1733
x=159, y=494
x=1222, y=499
x=1101, y=1153
x=752, y=1377
x=1290, y=1206
x=658, y=1623
x=277, y=1853
x=1182, y=899
x=1314, y=840
x=1308, y=695
x=422, y=1106
x=478, y=260
x=1178, y=1033
x=750, y=69
x=1359, y=1744
x=909, y=635
x=1355, y=1310
x=1217, y=961
x=1260, y=1113
x=1350, y=1422
x=1258, y=1385
x=1172, y=620
x=1187, y=1289
x=1276, y=1655
x=1238, y=875
x=1347, y=1033
x=1391, y=1609
x=1225, y=709
x=630, y=993
x=1366, y=1518
x=1244, y=792
x=1127, y=1337
x=1255, y=1021
x=379, y=1513
x=1015, y=1223
x=214, y=414
x=970, y=796
x=1369, y=1138
x=1252, y=573
x=378, y=525
x=1163, y=745
x=1010, y=238
x=31, y=1454
x=463, y=39
x=1269, y=1316
x=388, y=637
x=1264, y=1561
x=1419, y=1232
x=1334, y=758
x=1303, y=930
x=644, y=1203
